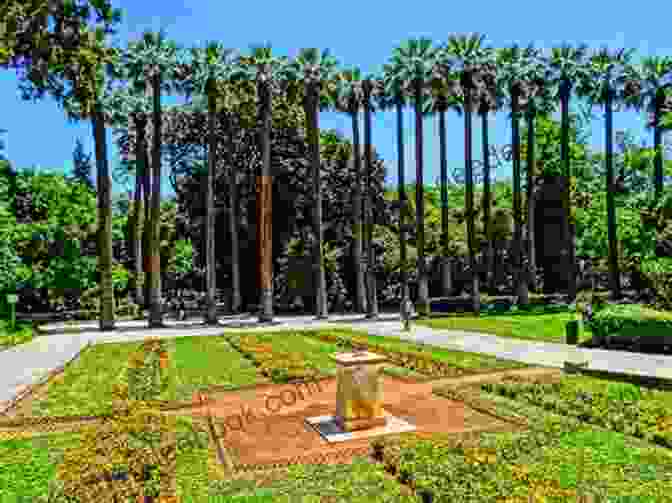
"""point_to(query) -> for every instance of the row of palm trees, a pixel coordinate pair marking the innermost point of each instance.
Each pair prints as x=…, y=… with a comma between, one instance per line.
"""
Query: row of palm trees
x=464, y=75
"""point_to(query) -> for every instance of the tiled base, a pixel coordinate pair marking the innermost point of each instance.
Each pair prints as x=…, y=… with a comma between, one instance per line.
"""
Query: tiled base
x=328, y=428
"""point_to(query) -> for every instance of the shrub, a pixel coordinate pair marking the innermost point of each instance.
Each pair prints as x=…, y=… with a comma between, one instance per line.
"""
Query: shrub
x=658, y=274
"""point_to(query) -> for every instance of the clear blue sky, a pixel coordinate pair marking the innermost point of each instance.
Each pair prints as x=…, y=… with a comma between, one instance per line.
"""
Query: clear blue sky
x=357, y=33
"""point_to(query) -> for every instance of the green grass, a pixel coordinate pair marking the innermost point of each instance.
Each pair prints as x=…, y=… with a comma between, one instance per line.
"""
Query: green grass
x=547, y=327
x=22, y=333
x=459, y=359
x=197, y=362
x=315, y=351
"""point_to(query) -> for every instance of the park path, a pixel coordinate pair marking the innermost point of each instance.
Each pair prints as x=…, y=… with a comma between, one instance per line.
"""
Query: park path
x=23, y=366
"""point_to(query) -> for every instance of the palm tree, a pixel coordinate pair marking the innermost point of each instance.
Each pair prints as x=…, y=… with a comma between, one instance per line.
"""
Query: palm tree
x=472, y=63
x=132, y=102
x=153, y=59
x=316, y=71
x=412, y=66
x=371, y=88
x=266, y=71
x=655, y=78
x=567, y=65
x=539, y=101
x=349, y=99
x=488, y=100
x=606, y=85
x=446, y=94
x=208, y=67
x=519, y=70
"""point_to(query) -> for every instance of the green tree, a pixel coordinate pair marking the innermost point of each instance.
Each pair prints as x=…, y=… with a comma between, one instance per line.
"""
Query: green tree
x=208, y=66
x=54, y=45
x=652, y=84
x=153, y=59
x=412, y=68
x=472, y=63
x=266, y=71
x=567, y=66
x=610, y=73
x=349, y=99
x=81, y=162
x=317, y=71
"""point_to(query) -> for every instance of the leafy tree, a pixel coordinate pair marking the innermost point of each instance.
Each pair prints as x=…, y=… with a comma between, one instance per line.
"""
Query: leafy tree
x=76, y=55
x=81, y=162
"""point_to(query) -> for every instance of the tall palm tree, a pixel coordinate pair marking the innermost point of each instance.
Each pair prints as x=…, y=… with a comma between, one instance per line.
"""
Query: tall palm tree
x=266, y=71
x=349, y=99
x=446, y=94
x=317, y=71
x=609, y=72
x=519, y=69
x=567, y=64
x=539, y=102
x=208, y=67
x=655, y=76
x=371, y=88
x=471, y=62
x=412, y=65
x=154, y=59
x=132, y=102
x=489, y=99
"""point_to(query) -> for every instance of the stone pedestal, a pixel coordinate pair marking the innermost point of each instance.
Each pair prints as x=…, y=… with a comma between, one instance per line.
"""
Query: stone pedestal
x=358, y=396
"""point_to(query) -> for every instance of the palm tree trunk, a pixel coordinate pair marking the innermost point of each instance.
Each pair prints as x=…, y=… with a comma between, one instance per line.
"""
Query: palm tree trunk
x=360, y=287
x=264, y=210
x=138, y=210
x=520, y=278
x=156, y=314
x=446, y=280
x=233, y=226
x=531, y=206
x=469, y=203
x=614, y=273
x=372, y=302
x=657, y=142
x=210, y=276
x=568, y=228
x=423, y=290
x=487, y=197
x=401, y=186
x=104, y=191
x=314, y=142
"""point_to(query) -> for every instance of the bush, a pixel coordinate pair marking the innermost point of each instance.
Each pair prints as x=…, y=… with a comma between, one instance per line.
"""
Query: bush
x=658, y=274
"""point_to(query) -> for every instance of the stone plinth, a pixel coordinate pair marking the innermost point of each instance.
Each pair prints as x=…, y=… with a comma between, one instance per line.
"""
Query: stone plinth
x=358, y=395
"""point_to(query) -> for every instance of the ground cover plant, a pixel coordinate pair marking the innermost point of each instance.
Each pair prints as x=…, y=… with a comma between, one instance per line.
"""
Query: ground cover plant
x=22, y=333
x=622, y=407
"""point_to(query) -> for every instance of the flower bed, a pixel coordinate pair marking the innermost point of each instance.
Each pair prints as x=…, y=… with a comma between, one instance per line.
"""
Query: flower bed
x=626, y=408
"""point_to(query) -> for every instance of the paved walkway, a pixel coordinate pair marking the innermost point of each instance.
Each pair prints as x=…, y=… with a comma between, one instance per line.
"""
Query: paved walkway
x=29, y=364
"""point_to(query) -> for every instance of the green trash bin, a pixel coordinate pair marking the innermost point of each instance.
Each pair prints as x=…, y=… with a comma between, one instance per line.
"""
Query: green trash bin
x=572, y=331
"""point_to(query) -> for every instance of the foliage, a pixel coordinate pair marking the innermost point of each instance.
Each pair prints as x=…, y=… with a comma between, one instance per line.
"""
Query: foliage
x=81, y=161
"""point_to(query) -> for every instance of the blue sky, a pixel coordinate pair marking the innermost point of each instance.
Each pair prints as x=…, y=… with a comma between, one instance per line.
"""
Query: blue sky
x=357, y=33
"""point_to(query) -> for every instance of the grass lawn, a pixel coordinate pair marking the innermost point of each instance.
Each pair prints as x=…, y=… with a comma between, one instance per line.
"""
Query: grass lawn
x=86, y=385
x=535, y=325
